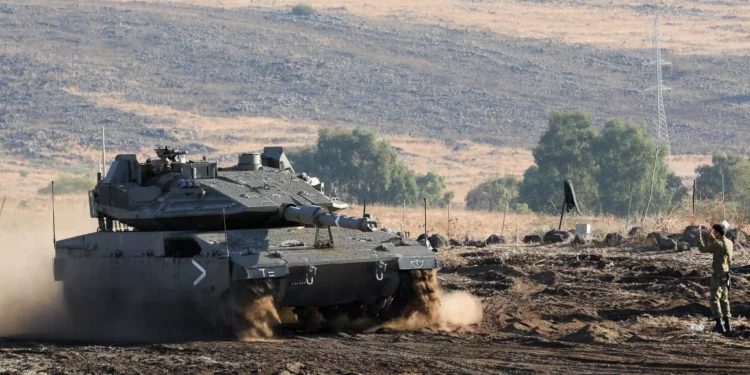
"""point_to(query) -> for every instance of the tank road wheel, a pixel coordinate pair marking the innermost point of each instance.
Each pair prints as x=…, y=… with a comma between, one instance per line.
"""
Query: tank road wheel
x=250, y=308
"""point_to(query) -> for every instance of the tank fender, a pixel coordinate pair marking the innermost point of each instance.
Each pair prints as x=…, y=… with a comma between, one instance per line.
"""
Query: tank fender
x=260, y=265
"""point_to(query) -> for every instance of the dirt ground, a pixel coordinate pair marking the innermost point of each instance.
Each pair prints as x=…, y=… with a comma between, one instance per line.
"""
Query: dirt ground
x=547, y=309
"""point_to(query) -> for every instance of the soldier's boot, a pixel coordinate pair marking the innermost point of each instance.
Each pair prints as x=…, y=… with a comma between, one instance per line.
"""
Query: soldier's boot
x=719, y=327
x=727, y=327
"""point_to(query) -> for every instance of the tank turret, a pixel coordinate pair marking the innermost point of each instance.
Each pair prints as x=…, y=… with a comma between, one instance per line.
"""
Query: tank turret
x=174, y=192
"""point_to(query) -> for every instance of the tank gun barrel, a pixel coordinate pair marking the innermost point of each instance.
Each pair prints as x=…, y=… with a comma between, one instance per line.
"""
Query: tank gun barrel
x=319, y=217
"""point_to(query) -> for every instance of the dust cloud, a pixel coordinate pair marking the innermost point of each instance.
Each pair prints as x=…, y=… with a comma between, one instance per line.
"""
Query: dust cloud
x=32, y=301
x=433, y=308
x=256, y=319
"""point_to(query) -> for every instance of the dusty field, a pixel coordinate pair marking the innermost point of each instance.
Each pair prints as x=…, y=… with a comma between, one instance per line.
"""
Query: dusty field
x=547, y=309
x=703, y=26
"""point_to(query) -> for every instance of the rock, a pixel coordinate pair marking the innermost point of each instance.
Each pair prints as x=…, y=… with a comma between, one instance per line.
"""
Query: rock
x=532, y=238
x=556, y=236
x=655, y=235
x=635, y=231
x=546, y=277
x=474, y=243
x=578, y=240
x=613, y=239
x=666, y=243
x=731, y=234
x=690, y=235
x=494, y=239
x=454, y=242
x=683, y=246
x=437, y=241
x=295, y=368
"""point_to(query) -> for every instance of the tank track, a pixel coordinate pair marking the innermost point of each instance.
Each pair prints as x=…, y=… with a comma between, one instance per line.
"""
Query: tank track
x=250, y=310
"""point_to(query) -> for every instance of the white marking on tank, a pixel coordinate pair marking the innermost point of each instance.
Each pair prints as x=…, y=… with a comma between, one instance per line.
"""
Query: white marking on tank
x=263, y=271
x=337, y=221
x=203, y=273
x=270, y=274
x=417, y=263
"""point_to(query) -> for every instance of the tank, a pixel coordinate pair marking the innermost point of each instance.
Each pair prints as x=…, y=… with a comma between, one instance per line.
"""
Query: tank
x=182, y=231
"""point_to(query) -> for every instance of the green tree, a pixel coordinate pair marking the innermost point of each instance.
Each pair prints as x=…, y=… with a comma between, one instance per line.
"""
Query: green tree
x=538, y=190
x=432, y=187
x=675, y=190
x=625, y=154
x=360, y=166
x=711, y=177
x=564, y=152
x=491, y=195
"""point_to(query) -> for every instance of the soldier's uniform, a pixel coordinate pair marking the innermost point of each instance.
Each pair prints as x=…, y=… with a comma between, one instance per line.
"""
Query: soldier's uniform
x=721, y=248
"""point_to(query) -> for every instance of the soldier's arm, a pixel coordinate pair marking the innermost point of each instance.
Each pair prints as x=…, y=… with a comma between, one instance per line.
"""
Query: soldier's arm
x=706, y=248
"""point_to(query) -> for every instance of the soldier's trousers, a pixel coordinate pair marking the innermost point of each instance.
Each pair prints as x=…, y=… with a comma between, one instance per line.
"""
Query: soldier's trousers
x=719, y=297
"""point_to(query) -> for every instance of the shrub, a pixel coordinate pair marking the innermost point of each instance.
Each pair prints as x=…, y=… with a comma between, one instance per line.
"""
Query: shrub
x=303, y=9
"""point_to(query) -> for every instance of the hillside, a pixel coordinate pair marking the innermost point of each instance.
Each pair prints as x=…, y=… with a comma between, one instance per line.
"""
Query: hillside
x=334, y=68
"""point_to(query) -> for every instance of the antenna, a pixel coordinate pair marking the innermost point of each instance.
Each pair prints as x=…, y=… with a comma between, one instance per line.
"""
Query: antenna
x=364, y=208
x=660, y=131
x=54, y=236
x=226, y=237
x=104, y=154
x=425, y=218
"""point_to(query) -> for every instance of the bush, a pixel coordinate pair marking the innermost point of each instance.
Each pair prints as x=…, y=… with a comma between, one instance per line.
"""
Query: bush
x=68, y=184
x=23, y=173
x=302, y=9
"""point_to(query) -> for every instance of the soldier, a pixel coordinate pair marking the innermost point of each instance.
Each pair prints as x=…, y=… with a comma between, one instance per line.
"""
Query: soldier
x=721, y=248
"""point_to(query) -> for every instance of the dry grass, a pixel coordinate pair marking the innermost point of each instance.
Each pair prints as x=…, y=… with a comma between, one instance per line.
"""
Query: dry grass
x=480, y=224
x=702, y=27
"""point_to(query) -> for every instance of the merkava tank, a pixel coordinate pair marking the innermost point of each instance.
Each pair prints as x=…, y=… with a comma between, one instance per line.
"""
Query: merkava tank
x=174, y=230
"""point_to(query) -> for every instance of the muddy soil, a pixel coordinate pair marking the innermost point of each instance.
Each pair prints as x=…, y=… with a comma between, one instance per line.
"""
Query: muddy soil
x=546, y=310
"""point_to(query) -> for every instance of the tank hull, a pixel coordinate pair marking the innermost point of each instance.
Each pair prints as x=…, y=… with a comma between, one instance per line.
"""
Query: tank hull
x=199, y=267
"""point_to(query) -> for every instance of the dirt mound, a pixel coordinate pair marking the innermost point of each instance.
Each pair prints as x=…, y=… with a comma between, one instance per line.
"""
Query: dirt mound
x=593, y=333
